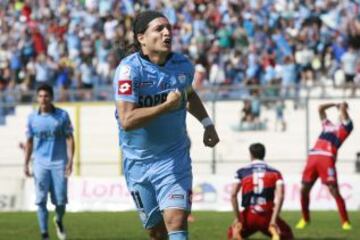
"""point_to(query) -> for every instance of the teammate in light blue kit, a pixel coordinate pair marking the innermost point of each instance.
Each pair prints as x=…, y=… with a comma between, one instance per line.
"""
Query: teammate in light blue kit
x=50, y=142
x=153, y=93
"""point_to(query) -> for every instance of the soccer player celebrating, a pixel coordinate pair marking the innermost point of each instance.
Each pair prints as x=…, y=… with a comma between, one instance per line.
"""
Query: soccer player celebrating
x=321, y=162
x=262, y=197
x=153, y=93
x=50, y=141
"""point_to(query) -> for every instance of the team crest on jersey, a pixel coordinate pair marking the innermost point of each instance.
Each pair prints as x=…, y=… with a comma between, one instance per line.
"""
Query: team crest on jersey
x=124, y=72
x=124, y=87
x=182, y=78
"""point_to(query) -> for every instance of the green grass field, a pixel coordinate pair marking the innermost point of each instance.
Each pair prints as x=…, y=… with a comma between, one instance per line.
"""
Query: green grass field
x=126, y=226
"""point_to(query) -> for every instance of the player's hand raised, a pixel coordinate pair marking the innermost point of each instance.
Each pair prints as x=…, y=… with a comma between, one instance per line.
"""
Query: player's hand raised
x=211, y=137
x=173, y=100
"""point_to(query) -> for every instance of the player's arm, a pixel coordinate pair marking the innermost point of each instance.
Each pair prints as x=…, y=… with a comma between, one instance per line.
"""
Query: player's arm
x=28, y=152
x=70, y=142
x=344, y=115
x=278, y=201
x=196, y=108
x=132, y=117
x=323, y=108
x=234, y=201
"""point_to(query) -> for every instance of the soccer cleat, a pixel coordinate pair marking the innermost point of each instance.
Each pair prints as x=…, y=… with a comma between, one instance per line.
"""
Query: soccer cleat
x=302, y=224
x=346, y=226
x=60, y=231
x=274, y=231
x=45, y=236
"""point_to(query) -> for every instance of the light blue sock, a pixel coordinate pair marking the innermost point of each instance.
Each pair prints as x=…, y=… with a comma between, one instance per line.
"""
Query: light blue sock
x=178, y=235
x=60, y=212
x=42, y=214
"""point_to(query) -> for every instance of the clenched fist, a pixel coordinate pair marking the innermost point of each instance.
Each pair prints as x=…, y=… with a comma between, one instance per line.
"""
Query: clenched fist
x=211, y=137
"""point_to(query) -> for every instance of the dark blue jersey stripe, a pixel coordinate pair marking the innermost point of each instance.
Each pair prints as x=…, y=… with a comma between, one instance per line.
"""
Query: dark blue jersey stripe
x=331, y=137
x=250, y=198
x=349, y=127
x=244, y=172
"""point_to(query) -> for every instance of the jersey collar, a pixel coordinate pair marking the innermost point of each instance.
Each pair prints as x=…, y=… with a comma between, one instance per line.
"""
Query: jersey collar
x=257, y=161
x=146, y=57
x=53, y=109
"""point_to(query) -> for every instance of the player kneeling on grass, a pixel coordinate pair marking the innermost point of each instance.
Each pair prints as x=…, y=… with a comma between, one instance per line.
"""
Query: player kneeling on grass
x=262, y=197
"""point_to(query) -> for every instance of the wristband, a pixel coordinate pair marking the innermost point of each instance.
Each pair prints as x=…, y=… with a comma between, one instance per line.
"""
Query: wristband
x=206, y=122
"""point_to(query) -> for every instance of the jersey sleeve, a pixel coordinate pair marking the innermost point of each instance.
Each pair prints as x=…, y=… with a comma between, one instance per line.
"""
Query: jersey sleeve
x=239, y=175
x=279, y=179
x=191, y=73
x=125, y=83
x=68, y=127
x=348, y=126
x=29, y=130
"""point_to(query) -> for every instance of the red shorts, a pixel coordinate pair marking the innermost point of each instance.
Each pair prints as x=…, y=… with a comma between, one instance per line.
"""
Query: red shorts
x=253, y=222
x=320, y=166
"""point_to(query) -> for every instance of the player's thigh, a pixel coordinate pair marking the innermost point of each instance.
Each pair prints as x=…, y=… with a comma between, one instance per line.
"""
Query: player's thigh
x=285, y=229
x=251, y=223
x=327, y=170
x=58, y=188
x=310, y=173
x=143, y=193
x=173, y=182
x=42, y=178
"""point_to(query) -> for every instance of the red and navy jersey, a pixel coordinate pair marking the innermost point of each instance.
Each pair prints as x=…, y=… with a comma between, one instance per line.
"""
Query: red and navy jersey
x=258, y=181
x=331, y=138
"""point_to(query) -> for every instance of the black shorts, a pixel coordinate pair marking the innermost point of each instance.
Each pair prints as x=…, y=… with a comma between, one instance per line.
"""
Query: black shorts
x=349, y=78
x=87, y=86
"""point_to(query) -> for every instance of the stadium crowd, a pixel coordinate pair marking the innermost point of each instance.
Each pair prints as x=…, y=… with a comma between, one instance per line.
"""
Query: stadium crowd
x=76, y=45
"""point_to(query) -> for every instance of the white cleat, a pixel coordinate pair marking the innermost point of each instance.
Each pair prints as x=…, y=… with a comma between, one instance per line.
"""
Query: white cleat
x=60, y=230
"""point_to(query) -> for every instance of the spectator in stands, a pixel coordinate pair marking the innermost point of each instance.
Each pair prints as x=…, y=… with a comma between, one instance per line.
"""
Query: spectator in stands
x=304, y=30
x=279, y=116
x=349, y=63
x=288, y=77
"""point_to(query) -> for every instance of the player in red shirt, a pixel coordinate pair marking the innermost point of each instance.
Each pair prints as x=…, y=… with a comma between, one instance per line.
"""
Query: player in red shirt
x=262, y=197
x=321, y=162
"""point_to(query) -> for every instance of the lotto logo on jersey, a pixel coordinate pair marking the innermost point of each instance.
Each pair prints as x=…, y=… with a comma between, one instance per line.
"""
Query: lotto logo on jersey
x=124, y=87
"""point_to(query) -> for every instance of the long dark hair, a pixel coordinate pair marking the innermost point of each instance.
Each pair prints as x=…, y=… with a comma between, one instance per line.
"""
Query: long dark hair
x=140, y=24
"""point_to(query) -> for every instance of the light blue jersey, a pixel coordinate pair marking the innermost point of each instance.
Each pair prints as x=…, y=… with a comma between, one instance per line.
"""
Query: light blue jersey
x=49, y=132
x=146, y=84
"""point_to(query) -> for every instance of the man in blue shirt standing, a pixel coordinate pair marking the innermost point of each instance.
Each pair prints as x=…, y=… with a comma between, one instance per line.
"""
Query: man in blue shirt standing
x=50, y=142
x=153, y=92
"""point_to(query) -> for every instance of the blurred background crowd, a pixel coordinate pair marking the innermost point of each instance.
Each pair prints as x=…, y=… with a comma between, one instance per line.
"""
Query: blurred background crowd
x=278, y=45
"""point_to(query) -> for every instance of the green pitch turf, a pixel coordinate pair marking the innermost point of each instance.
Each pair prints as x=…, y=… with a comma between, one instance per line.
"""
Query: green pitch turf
x=126, y=226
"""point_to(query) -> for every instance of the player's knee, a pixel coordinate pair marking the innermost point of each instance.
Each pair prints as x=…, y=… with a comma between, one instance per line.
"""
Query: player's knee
x=305, y=188
x=175, y=220
x=334, y=190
